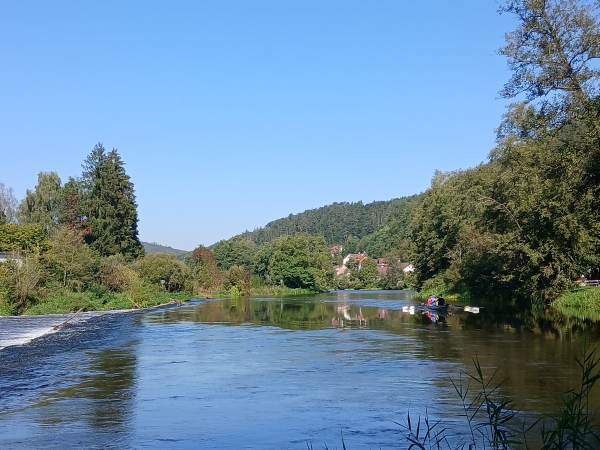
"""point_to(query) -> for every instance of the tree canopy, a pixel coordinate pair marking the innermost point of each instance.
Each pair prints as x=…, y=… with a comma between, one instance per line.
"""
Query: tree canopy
x=109, y=206
x=301, y=261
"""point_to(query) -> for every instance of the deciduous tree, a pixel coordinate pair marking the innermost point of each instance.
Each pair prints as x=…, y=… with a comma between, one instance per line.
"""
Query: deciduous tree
x=43, y=205
x=552, y=52
x=301, y=261
x=70, y=257
x=159, y=268
x=8, y=205
x=237, y=251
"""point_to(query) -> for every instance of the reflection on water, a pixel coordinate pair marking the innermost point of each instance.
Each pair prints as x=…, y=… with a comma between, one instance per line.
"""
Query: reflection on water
x=62, y=389
x=105, y=385
x=274, y=373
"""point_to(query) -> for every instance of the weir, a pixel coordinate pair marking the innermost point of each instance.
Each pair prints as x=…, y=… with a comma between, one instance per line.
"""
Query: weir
x=19, y=330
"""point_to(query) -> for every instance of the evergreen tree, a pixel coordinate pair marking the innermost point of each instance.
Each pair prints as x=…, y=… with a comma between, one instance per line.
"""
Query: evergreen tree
x=109, y=205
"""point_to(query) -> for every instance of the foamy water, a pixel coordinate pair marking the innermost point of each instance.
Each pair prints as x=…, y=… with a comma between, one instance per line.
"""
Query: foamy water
x=20, y=330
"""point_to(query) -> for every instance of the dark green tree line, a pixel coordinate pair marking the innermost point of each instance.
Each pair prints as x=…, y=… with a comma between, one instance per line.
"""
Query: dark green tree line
x=526, y=223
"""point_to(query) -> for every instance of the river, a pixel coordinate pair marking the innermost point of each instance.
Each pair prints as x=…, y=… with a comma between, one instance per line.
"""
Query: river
x=276, y=373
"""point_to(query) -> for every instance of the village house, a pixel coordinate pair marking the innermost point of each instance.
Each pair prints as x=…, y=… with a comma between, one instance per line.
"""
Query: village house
x=382, y=266
x=406, y=267
x=356, y=257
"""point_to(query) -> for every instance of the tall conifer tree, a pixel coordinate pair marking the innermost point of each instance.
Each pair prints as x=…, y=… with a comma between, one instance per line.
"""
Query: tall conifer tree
x=109, y=205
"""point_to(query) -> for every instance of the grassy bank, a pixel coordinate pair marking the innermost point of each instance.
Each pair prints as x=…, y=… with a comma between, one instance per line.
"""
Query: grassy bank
x=262, y=291
x=585, y=299
x=61, y=301
x=65, y=301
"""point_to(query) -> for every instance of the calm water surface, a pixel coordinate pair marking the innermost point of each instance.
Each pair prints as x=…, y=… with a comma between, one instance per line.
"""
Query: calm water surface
x=274, y=373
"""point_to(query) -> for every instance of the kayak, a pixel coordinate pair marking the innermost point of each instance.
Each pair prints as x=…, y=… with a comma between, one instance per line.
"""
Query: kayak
x=433, y=308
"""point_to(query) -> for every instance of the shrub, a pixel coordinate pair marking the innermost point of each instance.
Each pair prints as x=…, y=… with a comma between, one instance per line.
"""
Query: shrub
x=19, y=280
x=115, y=274
x=163, y=269
x=239, y=279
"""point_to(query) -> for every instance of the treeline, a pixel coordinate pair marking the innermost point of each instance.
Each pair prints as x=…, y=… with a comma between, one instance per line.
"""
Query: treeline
x=153, y=247
x=300, y=261
x=527, y=223
x=75, y=245
x=280, y=255
x=338, y=223
x=524, y=225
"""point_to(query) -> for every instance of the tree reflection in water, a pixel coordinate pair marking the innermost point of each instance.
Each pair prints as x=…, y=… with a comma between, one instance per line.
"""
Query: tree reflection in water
x=103, y=397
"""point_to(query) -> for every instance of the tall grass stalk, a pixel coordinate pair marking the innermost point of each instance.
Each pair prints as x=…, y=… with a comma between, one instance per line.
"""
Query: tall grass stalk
x=492, y=422
x=574, y=427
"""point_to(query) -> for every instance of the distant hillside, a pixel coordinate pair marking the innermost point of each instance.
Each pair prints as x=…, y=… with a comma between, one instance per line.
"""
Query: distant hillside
x=153, y=247
x=335, y=222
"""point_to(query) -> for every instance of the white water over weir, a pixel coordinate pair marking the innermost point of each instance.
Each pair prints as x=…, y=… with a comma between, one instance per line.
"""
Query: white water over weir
x=19, y=330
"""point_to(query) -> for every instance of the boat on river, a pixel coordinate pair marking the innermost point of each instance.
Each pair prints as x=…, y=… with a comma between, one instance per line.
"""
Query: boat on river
x=442, y=309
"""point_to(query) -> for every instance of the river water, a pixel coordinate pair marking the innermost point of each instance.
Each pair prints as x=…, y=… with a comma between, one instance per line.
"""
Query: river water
x=276, y=373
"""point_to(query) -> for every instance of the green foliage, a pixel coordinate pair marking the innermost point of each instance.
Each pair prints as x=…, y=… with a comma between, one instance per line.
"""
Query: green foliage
x=43, y=205
x=260, y=262
x=19, y=281
x=8, y=205
x=552, y=51
x=58, y=300
x=153, y=247
x=394, y=279
x=238, y=280
x=204, y=271
x=115, y=273
x=394, y=233
x=525, y=224
x=21, y=238
x=70, y=258
x=435, y=286
x=237, y=251
x=528, y=222
x=368, y=275
x=301, y=261
x=109, y=205
x=584, y=299
x=335, y=222
x=163, y=269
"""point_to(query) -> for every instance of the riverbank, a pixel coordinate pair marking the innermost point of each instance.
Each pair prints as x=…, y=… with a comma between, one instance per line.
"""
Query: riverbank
x=581, y=302
x=66, y=302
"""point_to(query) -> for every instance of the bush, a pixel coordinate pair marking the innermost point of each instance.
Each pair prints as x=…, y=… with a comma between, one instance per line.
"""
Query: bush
x=115, y=274
x=587, y=298
x=163, y=269
x=239, y=279
x=15, y=237
x=19, y=280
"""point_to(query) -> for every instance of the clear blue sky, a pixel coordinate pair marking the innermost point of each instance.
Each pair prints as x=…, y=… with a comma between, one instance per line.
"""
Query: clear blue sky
x=230, y=114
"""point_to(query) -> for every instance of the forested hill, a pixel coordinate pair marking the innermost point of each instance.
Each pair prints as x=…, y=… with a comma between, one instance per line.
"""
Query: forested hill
x=153, y=247
x=335, y=222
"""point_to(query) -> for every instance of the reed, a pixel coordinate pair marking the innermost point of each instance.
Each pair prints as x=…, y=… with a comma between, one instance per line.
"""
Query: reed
x=491, y=420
